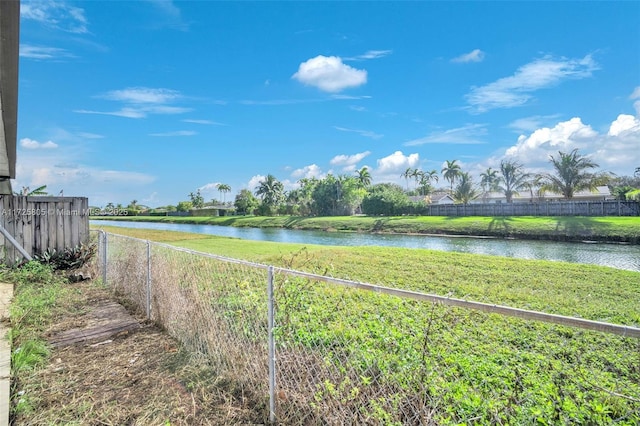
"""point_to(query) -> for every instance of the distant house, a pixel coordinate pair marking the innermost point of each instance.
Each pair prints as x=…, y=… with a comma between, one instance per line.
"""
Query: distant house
x=219, y=210
x=435, y=198
x=601, y=193
x=442, y=198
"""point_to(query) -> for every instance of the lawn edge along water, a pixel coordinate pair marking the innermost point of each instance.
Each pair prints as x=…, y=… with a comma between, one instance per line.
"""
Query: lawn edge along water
x=593, y=292
x=561, y=228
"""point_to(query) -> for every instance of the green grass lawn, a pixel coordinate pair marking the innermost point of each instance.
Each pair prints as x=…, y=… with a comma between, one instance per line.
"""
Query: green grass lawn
x=588, y=291
x=476, y=368
x=377, y=354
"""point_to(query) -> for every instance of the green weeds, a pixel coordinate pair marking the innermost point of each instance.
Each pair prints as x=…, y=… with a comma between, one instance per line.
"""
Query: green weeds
x=36, y=293
x=377, y=359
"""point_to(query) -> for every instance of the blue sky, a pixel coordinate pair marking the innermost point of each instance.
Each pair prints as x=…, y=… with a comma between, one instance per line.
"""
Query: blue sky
x=152, y=100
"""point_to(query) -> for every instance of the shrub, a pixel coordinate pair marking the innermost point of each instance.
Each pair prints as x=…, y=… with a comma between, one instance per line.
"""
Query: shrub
x=69, y=258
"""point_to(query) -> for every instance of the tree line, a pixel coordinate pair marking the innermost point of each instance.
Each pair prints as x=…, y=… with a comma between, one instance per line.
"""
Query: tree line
x=336, y=195
x=351, y=194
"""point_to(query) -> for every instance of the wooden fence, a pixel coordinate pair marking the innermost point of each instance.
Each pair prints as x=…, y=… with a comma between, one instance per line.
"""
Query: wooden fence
x=39, y=224
x=554, y=208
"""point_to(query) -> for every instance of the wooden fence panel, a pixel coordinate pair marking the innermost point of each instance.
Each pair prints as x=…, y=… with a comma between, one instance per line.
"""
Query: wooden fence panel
x=555, y=208
x=42, y=223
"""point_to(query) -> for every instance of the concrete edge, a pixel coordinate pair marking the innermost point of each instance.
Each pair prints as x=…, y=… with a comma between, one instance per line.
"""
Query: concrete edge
x=6, y=294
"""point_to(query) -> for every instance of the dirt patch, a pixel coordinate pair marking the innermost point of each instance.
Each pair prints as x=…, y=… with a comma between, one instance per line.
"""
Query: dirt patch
x=139, y=376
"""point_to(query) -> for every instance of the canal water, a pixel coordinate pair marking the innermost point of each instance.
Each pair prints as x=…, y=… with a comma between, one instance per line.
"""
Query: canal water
x=620, y=256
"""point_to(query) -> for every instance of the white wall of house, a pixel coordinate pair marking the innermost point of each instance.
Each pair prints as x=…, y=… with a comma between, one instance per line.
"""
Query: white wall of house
x=602, y=193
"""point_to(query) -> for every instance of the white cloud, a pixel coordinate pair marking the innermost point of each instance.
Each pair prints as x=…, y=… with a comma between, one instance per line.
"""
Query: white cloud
x=124, y=112
x=140, y=102
x=624, y=125
x=210, y=186
x=78, y=137
x=390, y=167
x=617, y=151
x=333, y=97
x=365, y=133
x=348, y=163
x=151, y=198
x=27, y=143
x=43, y=52
x=118, y=176
x=142, y=95
x=516, y=90
x=330, y=74
x=349, y=97
x=475, y=55
x=171, y=15
x=254, y=182
x=636, y=95
x=280, y=101
x=370, y=54
x=60, y=170
x=564, y=136
x=87, y=135
x=529, y=124
x=194, y=121
x=165, y=109
x=209, y=190
x=55, y=14
x=176, y=133
x=311, y=171
x=348, y=160
x=467, y=135
x=357, y=108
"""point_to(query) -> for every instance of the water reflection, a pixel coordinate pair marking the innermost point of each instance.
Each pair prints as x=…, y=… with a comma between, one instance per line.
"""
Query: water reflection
x=613, y=255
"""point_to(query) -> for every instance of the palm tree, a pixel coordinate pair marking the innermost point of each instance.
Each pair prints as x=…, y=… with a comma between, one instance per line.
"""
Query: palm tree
x=364, y=177
x=451, y=172
x=571, y=175
x=270, y=190
x=425, y=180
x=513, y=179
x=465, y=190
x=416, y=174
x=197, y=200
x=488, y=181
x=223, y=188
x=407, y=174
x=26, y=191
x=433, y=175
x=533, y=184
x=637, y=172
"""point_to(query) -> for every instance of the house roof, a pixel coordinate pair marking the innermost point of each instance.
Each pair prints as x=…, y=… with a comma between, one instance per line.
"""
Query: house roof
x=440, y=196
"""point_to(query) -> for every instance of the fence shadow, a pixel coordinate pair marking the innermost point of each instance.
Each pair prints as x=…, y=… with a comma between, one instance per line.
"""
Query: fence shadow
x=501, y=225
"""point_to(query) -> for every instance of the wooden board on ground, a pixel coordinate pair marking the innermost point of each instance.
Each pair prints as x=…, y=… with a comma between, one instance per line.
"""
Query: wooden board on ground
x=106, y=319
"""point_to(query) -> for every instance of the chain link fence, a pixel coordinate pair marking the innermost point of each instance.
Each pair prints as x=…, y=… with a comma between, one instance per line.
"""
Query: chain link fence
x=315, y=350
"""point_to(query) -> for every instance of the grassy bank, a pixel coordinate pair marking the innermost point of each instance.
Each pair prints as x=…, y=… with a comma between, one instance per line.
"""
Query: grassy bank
x=381, y=360
x=588, y=291
x=563, y=228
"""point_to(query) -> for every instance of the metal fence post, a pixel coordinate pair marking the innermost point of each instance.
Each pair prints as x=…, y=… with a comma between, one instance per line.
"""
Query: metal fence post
x=148, y=280
x=272, y=348
x=104, y=258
